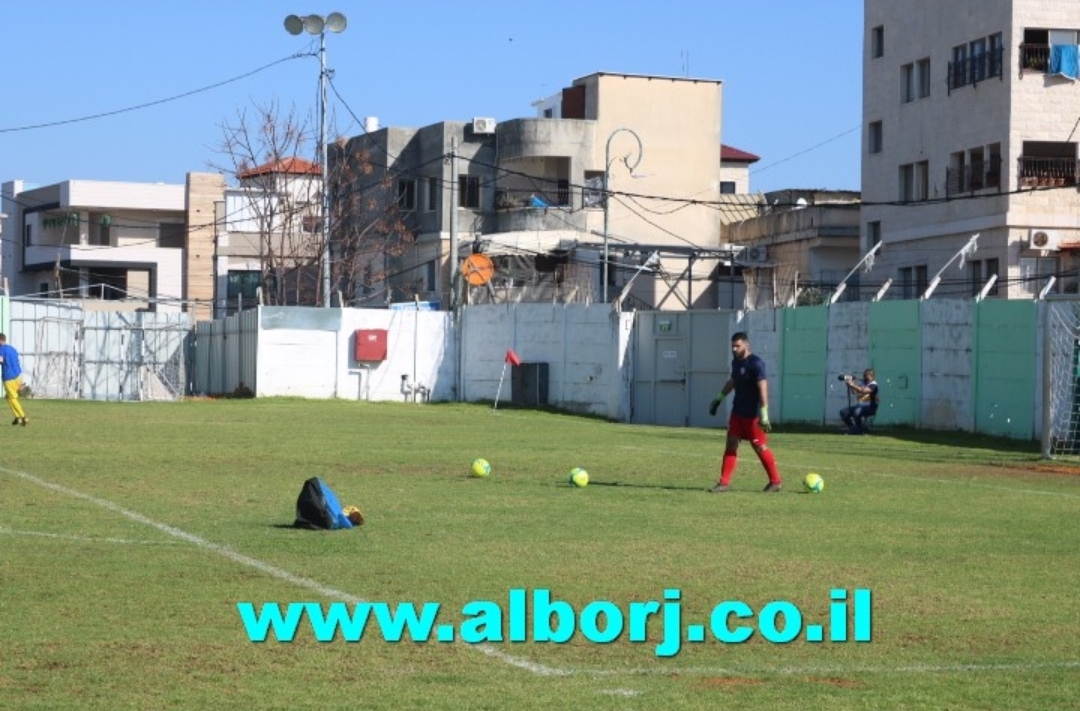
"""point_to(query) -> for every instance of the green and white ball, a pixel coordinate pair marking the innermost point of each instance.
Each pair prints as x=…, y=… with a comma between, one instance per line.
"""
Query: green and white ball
x=813, y=483
x=579, y=477
x=481, y=467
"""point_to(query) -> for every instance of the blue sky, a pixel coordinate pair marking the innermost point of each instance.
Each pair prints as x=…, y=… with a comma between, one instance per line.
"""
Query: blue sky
x=791, y=71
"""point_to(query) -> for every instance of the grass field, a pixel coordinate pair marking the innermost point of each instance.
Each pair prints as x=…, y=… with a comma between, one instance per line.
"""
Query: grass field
x=129, y=533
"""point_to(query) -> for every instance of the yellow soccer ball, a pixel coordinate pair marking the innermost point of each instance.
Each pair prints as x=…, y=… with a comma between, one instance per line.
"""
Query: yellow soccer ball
x=480, y=467
x=579, y=477
x=813, y=483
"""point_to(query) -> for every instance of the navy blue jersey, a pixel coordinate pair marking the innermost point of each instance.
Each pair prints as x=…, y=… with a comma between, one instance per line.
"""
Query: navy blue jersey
x=746, y=374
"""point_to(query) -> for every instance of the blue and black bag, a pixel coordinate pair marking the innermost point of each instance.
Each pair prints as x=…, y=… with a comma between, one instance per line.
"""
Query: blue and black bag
x=318, y=507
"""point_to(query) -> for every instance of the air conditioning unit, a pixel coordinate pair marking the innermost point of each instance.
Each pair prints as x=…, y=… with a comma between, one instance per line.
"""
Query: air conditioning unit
x=481, y=124
x=1044, y=239
x=755, y=255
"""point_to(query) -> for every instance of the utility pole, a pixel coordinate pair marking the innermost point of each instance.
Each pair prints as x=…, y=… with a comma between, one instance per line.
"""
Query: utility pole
x=453, y=223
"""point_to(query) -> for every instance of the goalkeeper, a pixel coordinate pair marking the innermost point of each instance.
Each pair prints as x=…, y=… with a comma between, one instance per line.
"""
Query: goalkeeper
x=749, y=415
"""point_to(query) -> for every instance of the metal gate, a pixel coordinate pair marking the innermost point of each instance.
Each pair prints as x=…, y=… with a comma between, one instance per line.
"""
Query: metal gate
x=70, y=353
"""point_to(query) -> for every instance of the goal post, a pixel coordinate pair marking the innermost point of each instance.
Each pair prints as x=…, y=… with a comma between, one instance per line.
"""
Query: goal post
x=1061, y=377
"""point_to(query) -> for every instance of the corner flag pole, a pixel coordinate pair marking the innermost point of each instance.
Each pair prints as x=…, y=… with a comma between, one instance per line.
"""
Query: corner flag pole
x=510, y=359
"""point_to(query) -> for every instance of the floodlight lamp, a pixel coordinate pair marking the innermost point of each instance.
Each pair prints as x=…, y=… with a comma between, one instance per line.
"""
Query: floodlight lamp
x=313, y=24
x=335, y=22
x=294, y=25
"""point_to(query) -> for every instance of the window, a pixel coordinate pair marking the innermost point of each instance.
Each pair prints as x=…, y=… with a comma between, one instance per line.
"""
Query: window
x=243, y=284
x=592, y=194
x=432, y=194
x=914, y=181
x=992, y=270
x=958, y=70
x=1035, y=272
x=907, y=286
x=907, y=183
x=727, y=187
x=429, y=275
x=469, y=191
x=978, y=168
x=980, y=272
x=28, y=235
x=877, y=42
x=907, y=83
x=915, y=81
x=549, y=113
x=923, y=80
x=978, y=60
x=921, y=281
x=975, y=276
x=997, y=55
x=993, y=166
x=171, y=235
x=875, y=141
x=873, y=234
x=406, y=194
x=563, y=192
x=922, y=181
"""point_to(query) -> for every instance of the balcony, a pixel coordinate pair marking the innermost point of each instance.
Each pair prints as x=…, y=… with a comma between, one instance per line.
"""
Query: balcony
x=1036, y=171
x=538, y=208
x=1034, y=58
x=972, y=179
x=973, y=70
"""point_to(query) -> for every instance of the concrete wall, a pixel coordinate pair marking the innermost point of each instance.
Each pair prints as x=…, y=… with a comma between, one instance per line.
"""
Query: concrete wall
x=586, y=349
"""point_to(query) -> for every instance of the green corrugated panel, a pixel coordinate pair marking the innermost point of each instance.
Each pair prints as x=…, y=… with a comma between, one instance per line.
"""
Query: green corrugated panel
x=803, y=367
x=1005, y=368
x=896, y=356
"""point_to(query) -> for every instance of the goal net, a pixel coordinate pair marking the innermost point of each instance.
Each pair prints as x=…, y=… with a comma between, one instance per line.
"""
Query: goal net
x=1061, y=377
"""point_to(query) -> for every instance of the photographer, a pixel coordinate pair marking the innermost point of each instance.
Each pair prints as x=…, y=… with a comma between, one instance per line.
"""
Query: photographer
x=866, y=394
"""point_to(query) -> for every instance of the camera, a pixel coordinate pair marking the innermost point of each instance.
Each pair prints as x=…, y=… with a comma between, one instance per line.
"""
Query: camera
x=844, y=377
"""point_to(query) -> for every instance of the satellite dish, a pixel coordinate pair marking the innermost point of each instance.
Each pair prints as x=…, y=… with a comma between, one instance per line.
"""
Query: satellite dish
x=335, y=22
x=294, y=25
x=477, y=269
x=801, y=202
x=313, y=24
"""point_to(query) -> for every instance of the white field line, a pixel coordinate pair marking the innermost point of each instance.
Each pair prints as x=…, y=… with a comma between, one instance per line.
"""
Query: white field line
x=494, y=652
x=745, y=453
x=815, y=671
x=87, y=539
x=272, y=570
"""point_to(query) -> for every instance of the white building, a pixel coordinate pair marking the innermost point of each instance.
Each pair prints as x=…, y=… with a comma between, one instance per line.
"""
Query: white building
x=120, y=245
x=969, y=127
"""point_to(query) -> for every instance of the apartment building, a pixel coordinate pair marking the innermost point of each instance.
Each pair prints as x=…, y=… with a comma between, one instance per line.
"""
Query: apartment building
x=115, y=245
x=970, y=113
x=529, y=192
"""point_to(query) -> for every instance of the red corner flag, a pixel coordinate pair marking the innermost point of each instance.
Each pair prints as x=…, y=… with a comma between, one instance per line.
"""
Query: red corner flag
x=512, y=358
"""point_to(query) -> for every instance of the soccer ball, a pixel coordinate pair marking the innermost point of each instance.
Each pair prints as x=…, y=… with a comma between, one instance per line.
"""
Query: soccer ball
x=579, y=477
x=813, y=483
x=480, y=467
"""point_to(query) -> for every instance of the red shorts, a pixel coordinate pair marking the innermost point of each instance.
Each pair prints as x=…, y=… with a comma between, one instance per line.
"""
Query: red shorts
x=748, y=428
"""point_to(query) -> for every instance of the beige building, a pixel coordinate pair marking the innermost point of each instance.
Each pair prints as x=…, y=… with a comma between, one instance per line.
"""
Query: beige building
x=530, y=193
x=969, y=129
x=798, y=249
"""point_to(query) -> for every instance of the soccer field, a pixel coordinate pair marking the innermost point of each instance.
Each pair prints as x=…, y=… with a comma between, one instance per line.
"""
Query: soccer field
x=131, y=535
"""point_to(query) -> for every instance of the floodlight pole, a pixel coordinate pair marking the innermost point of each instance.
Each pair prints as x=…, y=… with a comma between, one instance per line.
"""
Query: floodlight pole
x=607, y=196
x=325, y=171
x=318, y=25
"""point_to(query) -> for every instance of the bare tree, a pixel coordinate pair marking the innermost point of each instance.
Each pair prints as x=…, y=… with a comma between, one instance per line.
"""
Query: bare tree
x=276, y=212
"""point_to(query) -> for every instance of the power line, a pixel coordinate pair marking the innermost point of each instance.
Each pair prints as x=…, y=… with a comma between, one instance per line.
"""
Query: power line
x=137, y=107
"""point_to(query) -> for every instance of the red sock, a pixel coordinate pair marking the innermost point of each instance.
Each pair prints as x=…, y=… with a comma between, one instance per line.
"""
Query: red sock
x=728, y=466
x=767, y=459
